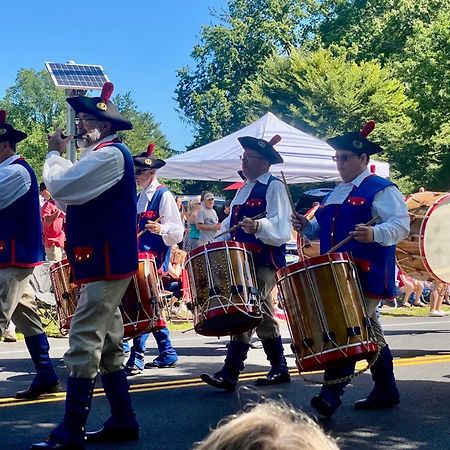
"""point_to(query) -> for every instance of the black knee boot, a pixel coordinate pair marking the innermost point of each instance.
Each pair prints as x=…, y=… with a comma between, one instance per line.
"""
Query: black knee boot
x=122, y=425
x=279, y=373
x=384, y=393
x=70, y=434
x=228, y=376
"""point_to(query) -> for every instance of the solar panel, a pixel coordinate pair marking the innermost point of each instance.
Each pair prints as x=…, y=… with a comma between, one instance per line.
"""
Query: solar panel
x=76, y=76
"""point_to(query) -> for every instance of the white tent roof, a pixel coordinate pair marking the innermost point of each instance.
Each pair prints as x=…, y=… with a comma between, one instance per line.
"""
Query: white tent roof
x=306, y=158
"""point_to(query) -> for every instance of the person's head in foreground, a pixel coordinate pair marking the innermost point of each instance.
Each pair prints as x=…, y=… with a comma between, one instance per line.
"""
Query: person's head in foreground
x=268, y=426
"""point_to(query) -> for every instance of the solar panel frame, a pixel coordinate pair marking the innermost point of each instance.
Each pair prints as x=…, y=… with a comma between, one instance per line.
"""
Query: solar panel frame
x=77, y=76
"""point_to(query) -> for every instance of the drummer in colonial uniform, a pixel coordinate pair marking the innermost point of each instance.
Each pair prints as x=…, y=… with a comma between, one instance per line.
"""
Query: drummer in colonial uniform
x=20, y=251
x=265, y=238
x=99, y=194
x=345, y=211
x=158, y=214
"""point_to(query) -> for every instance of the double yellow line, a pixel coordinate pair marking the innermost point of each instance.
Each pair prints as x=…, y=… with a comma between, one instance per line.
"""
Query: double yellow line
x=193, y=382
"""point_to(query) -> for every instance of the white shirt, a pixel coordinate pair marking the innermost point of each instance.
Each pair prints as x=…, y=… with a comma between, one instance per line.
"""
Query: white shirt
x=172, y=228
x=393, y=225
x=15, y=181
x=275, y=228
x=93, y=174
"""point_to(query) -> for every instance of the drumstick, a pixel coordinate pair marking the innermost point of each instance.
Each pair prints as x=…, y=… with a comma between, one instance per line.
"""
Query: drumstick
x=300, y=253
x=349, y=238
x=239, y=225
x=288, y=192
x=146, y=229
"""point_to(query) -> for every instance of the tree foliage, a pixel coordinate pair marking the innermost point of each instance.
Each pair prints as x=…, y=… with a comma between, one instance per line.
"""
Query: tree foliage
x=392, y=49
x=35, y=106
x=230, y=53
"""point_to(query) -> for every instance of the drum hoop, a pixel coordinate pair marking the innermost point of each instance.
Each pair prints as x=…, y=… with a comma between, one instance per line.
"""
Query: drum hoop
x=422, y=232
x=216, y=246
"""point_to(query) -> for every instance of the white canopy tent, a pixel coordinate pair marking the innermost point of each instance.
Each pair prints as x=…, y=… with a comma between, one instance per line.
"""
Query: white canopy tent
x=306, y=158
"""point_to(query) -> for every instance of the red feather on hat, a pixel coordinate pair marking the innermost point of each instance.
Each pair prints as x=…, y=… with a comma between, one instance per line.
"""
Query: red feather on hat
x=275, y=140
x=367, y=128
x=150, y=149
x=2, y=116
x=107, y=91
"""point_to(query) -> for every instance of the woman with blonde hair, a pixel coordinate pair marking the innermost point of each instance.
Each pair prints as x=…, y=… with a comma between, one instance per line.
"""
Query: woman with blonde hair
x=268, y=426
x=193, y=233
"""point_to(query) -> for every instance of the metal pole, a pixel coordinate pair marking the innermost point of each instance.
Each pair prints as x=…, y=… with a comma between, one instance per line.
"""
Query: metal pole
x=70, y=128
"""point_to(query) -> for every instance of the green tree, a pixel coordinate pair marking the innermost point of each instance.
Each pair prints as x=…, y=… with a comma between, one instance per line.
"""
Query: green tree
x=324, y=93
x=35, y=106
x=229, y=54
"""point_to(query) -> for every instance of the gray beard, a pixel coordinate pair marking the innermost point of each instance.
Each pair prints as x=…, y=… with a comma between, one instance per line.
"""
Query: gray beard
x=89, y=139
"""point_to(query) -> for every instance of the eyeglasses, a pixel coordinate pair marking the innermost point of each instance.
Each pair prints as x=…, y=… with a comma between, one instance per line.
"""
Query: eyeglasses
x=246, y=158
x=209, y=199
x=139, y=171
x=79, y=120
x=342, y=158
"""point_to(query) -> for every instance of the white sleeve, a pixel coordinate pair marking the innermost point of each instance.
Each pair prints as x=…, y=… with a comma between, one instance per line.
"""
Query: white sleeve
x=172, y=228
x=15, y=181
x=394, y=218
x=275, y=228
x=76, y=184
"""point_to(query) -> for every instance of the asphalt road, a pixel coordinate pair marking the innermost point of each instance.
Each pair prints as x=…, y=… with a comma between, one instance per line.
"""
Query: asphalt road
x=175, y=409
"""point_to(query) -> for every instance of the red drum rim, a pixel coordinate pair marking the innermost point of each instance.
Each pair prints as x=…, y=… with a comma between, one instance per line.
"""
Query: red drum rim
x=145, y=256
x=328, y=358
x=312, y=262
x=59, y=264
x=439, y=199
x=215, y=246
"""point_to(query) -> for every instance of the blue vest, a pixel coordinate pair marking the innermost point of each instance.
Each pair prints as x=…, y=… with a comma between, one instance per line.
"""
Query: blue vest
x=101, y=234
x=20, y=227
x=263, y=254
x=151, y=242
x=375, y=262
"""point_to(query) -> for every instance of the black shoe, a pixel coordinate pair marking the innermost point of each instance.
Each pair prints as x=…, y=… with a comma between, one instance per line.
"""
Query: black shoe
x=323, y=407
x=54, y=445
x=370, y=403
x=274, y=377
x=218, y=382
x=112, y=435
x=153, y=364
x=34, y=392
x=132, y=371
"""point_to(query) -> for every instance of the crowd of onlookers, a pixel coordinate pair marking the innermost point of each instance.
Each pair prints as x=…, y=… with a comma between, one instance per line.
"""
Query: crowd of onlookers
x=414, y=292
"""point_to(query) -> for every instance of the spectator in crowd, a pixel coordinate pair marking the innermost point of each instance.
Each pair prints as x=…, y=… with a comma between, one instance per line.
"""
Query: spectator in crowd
x=437, y=296
x=207, y=221
x=192, y=236
x=9, y=335
x=172, y=278
x=52, y=227
x=268, y=426
x=224, y=211
x=408, y=285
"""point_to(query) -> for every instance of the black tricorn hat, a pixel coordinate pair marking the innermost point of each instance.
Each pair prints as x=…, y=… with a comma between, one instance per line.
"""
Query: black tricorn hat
x=263, y=147
x=145, y=160
x=101, y=108
x=7, y=131
x=356, y=141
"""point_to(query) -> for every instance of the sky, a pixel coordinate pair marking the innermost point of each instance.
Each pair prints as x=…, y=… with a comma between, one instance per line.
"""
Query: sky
x=139, y=43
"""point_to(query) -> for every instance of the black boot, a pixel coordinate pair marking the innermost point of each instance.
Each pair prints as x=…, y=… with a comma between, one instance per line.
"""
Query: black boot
x=70, y=434
x=385, y=393
x=329, y=399
x=122, y=426
x=279, y=373
x=46, y=380
x=228, y=376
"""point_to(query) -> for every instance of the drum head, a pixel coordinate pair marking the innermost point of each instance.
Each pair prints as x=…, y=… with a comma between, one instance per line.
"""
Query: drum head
x=436, y=240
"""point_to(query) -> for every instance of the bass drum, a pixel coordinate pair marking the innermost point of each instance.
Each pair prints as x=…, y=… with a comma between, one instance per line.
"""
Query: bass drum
x=425, y=253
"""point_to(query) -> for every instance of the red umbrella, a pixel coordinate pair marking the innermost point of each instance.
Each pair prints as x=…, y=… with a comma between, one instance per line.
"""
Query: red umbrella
x=234, y=186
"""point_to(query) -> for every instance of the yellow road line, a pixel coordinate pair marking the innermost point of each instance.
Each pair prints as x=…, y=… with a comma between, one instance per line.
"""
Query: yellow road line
x=192, y=382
